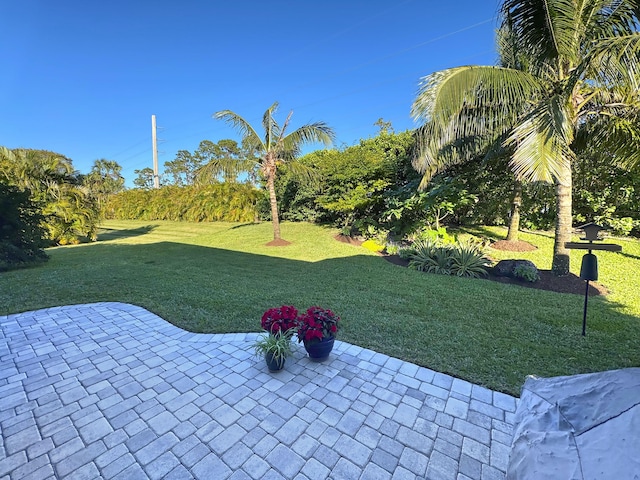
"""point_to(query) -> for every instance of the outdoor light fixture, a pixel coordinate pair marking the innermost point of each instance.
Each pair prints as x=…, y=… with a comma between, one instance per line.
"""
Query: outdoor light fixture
x=589, y=267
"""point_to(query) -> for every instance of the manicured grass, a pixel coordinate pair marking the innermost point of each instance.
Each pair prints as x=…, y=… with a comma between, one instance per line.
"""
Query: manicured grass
x=220, y=278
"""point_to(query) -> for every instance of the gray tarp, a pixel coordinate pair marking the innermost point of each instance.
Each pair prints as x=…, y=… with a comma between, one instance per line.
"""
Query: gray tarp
x=582, y=427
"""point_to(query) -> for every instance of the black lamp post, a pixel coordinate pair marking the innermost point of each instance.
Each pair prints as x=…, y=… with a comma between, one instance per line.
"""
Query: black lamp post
x=589, y=267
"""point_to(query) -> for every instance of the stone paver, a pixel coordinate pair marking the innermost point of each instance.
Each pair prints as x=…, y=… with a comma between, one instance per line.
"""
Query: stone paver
x=110, y=390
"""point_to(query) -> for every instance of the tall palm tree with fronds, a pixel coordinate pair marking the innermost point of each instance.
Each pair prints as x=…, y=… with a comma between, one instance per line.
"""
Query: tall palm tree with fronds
x=582, y=67
x=275, y=149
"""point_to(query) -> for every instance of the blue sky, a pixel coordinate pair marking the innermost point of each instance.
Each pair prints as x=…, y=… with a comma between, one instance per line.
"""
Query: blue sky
x=82, y=78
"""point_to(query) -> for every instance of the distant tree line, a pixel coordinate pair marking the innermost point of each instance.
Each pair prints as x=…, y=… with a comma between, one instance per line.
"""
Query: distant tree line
x=371, y=188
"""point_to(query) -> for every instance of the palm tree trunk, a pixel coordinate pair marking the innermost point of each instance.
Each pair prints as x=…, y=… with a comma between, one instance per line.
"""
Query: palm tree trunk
x=274, y=205
x=514, y=220
x=560, y=266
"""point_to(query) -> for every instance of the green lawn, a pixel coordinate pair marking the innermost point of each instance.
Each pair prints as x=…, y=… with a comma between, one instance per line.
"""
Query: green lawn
x=220, y=278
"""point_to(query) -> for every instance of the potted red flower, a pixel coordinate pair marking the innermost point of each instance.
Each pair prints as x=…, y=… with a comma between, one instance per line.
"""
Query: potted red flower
x=280, y=320
x=317, y=329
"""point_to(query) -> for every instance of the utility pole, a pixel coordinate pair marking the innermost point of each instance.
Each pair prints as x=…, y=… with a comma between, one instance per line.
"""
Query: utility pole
x=154, y=140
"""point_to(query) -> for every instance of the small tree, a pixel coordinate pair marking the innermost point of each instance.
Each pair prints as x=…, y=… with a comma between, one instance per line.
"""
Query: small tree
x=144, y=178
x=104, y=179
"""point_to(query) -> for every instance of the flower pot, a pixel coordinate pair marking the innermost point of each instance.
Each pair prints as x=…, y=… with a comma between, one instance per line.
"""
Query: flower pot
x=274, y=364
x=319, y=350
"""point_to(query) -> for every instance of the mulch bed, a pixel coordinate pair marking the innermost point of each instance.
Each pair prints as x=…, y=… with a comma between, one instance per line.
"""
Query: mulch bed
x=548, y=281
x=517, y=246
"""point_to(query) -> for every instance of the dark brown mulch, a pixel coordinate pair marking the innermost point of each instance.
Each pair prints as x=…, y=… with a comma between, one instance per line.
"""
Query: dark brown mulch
x=548, y=281
x=278, y=243
x=517, y=246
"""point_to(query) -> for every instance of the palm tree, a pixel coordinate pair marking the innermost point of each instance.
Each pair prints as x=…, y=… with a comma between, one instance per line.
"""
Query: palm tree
x=582, y=67
x=103, y=180
x=276, y=149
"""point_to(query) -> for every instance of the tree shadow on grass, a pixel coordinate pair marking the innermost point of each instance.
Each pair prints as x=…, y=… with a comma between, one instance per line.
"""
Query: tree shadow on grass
x=242, y=225
x=105, y=234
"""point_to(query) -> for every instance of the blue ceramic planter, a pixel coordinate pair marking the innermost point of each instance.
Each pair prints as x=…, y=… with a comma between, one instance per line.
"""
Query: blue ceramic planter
x=319, y=351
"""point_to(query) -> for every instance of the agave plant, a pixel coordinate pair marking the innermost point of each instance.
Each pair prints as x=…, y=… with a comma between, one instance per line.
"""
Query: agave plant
x=468, y=260
x=428, y=256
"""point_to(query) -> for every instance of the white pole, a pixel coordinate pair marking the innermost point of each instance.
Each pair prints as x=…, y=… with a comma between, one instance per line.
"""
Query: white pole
x=154, y=139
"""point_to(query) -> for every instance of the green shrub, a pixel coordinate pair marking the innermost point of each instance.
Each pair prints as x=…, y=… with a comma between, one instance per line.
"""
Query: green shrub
x=221, y=202
x=439, y=235
x=527, y=273
x=21, y=231
x=392, y=248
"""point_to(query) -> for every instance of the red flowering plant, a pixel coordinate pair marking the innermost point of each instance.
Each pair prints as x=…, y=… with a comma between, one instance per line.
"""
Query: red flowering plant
x=317, y=323
x=280, y=320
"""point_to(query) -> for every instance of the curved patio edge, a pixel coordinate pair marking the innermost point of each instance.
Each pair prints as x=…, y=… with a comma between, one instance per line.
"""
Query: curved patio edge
x=111, y=390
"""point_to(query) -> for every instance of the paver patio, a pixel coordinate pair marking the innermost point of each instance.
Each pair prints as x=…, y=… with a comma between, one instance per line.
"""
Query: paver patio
x=110, y=390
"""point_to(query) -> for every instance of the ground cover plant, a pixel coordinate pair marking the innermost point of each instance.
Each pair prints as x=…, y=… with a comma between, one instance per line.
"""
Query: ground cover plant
x=221, y=277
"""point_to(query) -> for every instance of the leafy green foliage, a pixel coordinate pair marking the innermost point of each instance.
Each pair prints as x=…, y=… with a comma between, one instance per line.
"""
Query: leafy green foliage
x=21, y=233
x=70, y=213
x=144, y=178
x=606, y=194
x=439, y=236
x=353, y=184
x=103, y=180
x=528, y=273
x=277, y=346
x=231, y=202
x=461, y=258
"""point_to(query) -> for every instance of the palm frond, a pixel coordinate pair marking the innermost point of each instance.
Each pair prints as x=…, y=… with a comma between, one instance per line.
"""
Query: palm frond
x=549, y=31
x=541, y=142
x=318, y=132
x=303, y=173
x=271, y=128
x=467, y=109
x=502, y=92
x=619, y=137
x=612, y=61
x=227, y=167
x=247, y=132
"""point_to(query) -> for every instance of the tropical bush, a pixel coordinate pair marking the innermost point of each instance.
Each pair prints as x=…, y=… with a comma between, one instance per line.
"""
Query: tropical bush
x=526, y=272
x=228, y=202
x=21, y=232
x=351, y=184
x=69, y=211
